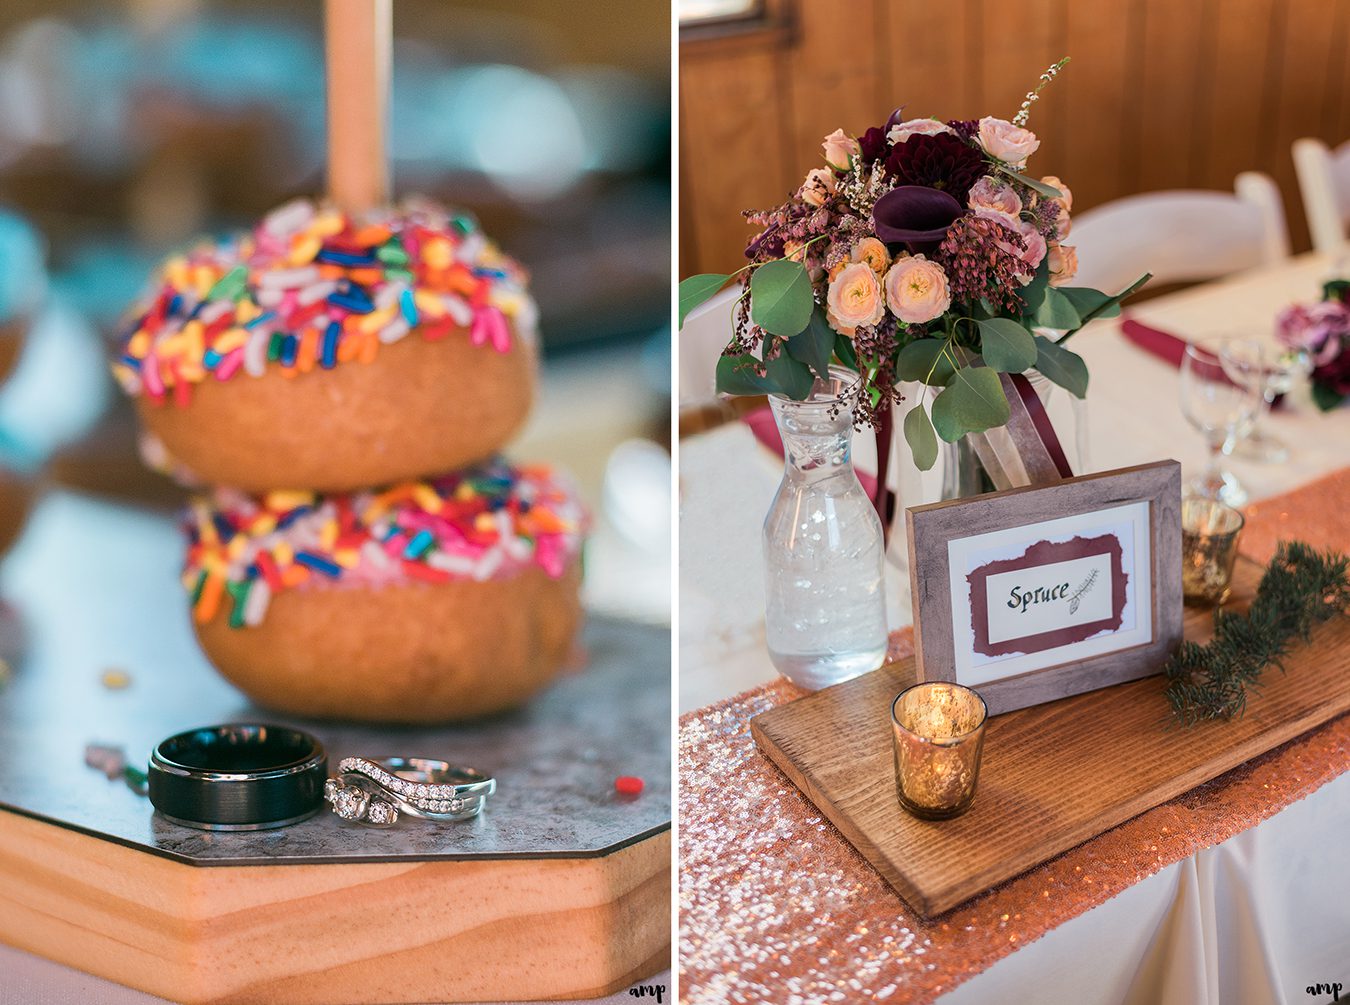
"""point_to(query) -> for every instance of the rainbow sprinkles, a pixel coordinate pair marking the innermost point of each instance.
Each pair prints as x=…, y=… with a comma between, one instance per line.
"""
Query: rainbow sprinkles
x=312, y=288
x=488, y=522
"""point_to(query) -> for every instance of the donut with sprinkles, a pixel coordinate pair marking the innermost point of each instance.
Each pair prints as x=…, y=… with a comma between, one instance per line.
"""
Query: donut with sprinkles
x=325, y=352
x=461, y=589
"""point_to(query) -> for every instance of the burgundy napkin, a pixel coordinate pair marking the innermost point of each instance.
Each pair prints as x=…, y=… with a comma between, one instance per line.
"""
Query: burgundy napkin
x=1164, y=345
x=765, y=430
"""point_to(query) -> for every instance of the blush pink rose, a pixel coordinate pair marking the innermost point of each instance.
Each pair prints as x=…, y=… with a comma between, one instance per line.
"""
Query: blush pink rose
x=818, y=187
x=1033, y=247
x=1006, y=142
x=840, y=149
x=902, y=131
x=1036, y=248
x=854, y=298
x=1063, y=264
x=916, y=290
x=992, y=194
x=1011, y=222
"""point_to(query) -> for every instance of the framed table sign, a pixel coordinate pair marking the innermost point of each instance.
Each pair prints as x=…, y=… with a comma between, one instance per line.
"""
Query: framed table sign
x=1038, y=593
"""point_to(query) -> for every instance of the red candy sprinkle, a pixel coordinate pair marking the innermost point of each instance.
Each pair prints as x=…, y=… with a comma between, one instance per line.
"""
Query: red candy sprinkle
x=628, y=785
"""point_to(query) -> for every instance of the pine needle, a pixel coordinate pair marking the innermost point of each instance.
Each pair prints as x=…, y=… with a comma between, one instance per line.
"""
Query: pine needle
x=1301, y=588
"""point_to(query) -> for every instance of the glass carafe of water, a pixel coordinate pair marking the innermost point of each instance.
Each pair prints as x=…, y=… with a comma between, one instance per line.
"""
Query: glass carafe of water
x=823, y=553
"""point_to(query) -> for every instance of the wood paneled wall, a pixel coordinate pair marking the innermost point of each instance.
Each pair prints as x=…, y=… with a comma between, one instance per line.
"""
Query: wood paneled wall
x=1160, y=94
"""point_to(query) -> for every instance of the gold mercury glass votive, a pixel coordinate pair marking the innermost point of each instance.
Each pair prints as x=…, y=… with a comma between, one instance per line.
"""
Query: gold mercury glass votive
x=938, y=733
x=1209, y=540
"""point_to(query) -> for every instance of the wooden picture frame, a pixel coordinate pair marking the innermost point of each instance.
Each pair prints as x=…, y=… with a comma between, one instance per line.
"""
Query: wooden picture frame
x=1039, y=593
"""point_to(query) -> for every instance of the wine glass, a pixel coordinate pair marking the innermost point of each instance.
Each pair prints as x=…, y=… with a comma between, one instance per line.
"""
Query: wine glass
x=1282, y=369
x=1222, y=408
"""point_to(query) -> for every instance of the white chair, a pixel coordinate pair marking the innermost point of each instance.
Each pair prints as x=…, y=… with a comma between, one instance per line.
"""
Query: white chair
x=1324, y=180
x=1181, y=236
x=706, y=332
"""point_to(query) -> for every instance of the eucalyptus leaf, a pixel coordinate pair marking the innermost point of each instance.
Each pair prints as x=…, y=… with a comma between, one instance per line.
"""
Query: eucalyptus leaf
x=1034, y=292
x=697, y=290
x=922, y=440
x=1111, y=306
x=1086, y=300
x=814, y=344
x=925, y=360
x=1064, y=366
x=1039, y=187
x=1057, y=311
x=739, y=375
x=971, y=403
x=1006, y=346
x=792, y=376
x=780, y=297
x=843, y=348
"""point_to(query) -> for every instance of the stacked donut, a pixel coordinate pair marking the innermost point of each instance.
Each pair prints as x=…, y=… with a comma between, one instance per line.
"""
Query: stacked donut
x=343, y=387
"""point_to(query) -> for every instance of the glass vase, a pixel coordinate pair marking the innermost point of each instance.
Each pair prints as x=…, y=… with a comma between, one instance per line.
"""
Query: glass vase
x=825, y=611
x=964, y=476
x=959, y=474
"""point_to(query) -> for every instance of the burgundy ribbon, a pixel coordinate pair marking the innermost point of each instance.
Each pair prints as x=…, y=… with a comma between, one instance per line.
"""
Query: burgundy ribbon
x=883, y=497
x=1041, y=421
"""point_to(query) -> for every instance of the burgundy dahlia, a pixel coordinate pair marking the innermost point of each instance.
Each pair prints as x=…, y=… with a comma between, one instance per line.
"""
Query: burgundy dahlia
x=873, y=144
x=943, y=162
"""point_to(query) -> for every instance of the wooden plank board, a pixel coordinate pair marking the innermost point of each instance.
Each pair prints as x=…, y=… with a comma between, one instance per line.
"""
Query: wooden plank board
x=444, y=931
x=1052, y=776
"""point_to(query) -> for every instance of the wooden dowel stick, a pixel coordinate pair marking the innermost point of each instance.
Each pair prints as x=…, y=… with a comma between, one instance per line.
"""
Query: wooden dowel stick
x=358, y=37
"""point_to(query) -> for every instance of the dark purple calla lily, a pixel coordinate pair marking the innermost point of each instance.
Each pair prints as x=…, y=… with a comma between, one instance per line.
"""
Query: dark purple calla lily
x=915, y=216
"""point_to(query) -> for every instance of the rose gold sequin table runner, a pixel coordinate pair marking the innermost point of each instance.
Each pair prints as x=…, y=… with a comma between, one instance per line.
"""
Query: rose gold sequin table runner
x=775, y=905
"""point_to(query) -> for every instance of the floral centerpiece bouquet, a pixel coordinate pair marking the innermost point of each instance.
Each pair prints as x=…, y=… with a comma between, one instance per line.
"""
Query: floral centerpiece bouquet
x=1322, y=331
x=919, y=251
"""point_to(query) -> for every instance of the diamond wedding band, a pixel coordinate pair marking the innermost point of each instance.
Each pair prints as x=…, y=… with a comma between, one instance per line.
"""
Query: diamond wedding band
x=375, y=791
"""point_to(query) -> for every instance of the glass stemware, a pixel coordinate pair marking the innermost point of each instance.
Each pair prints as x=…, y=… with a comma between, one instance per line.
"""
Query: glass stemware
x=1282, y=369
x=1222, y=407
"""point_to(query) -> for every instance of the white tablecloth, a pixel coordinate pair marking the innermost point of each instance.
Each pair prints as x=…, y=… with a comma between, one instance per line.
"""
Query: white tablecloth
x=1257, y=919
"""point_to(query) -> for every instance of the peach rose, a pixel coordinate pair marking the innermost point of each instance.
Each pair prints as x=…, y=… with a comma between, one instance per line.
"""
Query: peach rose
x=1063, y=264
x=916, y=290
x=840, y=149
x=854, y=298
x=1006, y=142
x=872, y=252
x=902, y=131
x=990, y=193
x=818, y=187
x=1065, y=196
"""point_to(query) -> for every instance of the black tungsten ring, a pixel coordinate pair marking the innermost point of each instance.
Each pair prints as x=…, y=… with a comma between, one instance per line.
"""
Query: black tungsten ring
x=238, y=777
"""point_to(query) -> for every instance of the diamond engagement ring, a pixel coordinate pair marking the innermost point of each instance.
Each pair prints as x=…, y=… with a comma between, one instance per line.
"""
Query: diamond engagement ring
x=375, y=790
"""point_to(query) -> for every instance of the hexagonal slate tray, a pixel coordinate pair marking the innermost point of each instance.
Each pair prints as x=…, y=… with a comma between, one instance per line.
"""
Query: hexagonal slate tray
x=96, y=586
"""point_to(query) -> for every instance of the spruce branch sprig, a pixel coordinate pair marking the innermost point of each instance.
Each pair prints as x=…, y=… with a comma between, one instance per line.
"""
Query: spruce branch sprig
x=1301, y=588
